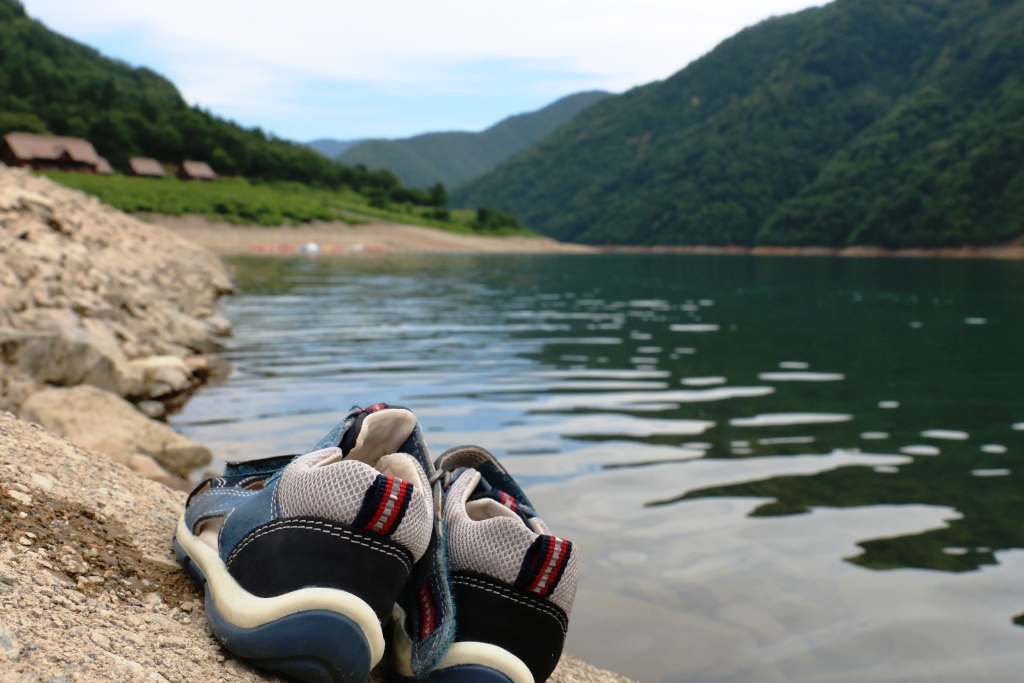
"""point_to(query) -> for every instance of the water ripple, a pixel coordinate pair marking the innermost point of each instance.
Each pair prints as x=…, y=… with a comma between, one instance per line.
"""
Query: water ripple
x=786, y=419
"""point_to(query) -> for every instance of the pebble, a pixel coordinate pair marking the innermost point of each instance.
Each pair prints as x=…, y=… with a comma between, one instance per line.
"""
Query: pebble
x=42, y=482
x=20, y=497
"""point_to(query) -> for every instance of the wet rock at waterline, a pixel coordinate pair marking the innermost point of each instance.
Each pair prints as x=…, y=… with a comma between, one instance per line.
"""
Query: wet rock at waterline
x=94, y=299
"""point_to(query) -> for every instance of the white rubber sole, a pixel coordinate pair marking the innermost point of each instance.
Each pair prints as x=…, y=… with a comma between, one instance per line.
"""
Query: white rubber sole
x=245, y=610
x=491, y=656
x=460, y=654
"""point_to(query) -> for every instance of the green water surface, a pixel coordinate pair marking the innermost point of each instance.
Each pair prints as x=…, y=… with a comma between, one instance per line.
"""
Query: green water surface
x=777, y=469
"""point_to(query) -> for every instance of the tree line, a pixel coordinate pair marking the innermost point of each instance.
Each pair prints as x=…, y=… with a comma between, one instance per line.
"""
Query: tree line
x=51, y=84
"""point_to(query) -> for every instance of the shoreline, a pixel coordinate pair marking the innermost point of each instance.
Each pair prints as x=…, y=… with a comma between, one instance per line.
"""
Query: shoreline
x=340, y=238
x=1011, y=252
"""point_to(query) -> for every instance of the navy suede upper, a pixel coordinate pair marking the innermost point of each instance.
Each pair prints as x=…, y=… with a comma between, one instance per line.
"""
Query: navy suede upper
x=245, y=510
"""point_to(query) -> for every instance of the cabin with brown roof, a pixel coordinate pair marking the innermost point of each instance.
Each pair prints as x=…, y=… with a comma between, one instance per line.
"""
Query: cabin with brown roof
x=196, y=170
x=145, y=168
x=49, y=153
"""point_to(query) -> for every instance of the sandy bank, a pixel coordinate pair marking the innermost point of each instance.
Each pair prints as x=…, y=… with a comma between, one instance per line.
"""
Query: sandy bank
x=228, y=240
x=338, y=237
x=89, y=588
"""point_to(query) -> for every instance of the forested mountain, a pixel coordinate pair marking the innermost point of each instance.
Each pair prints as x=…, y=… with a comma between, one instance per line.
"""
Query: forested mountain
x=51, y=84
x=860, y=122
x=453, y=158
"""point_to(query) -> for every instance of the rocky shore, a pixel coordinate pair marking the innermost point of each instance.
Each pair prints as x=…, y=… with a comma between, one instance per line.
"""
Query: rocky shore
x=105, y=324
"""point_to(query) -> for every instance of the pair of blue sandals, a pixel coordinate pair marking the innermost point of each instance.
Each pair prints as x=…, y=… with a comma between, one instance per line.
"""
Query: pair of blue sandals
x=318, y=566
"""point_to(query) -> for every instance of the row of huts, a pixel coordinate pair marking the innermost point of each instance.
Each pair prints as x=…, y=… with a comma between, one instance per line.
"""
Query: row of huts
x=53, y=153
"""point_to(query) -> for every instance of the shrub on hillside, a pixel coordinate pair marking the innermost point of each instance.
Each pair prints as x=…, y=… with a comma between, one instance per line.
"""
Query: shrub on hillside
x=494, y=220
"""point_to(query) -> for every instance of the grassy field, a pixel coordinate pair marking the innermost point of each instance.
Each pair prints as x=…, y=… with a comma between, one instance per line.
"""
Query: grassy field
x=244, y=202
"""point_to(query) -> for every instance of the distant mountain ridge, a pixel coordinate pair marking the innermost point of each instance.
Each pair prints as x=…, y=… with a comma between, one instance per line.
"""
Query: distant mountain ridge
x=453, y=158
x=859, y=122
x=330, y=148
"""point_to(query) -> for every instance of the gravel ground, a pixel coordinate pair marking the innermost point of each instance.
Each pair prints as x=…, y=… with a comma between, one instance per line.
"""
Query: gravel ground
x=89, y=588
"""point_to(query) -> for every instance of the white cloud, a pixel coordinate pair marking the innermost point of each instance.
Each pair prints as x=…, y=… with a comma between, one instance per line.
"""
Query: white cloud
x=231, y=54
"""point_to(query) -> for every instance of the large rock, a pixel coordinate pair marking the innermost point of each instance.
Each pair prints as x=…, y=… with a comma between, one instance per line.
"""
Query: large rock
x=66, y=351
x=102, y=421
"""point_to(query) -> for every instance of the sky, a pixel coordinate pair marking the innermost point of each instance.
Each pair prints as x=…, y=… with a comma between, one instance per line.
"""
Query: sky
x=353, y=69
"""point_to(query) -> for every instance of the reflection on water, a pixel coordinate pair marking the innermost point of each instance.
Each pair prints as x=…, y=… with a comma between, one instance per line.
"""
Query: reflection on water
x=776, y=469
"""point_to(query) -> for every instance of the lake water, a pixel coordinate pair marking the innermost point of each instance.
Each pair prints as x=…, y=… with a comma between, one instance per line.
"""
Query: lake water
x=776, y=469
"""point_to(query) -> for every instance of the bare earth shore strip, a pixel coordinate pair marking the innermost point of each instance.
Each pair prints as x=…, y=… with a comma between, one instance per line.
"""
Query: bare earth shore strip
x=225, y=239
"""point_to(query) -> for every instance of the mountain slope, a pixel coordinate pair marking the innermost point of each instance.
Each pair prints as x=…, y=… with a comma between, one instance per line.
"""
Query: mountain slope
x=944, y=167
x=861, y=122
x=453, y=158
x=51, y=84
